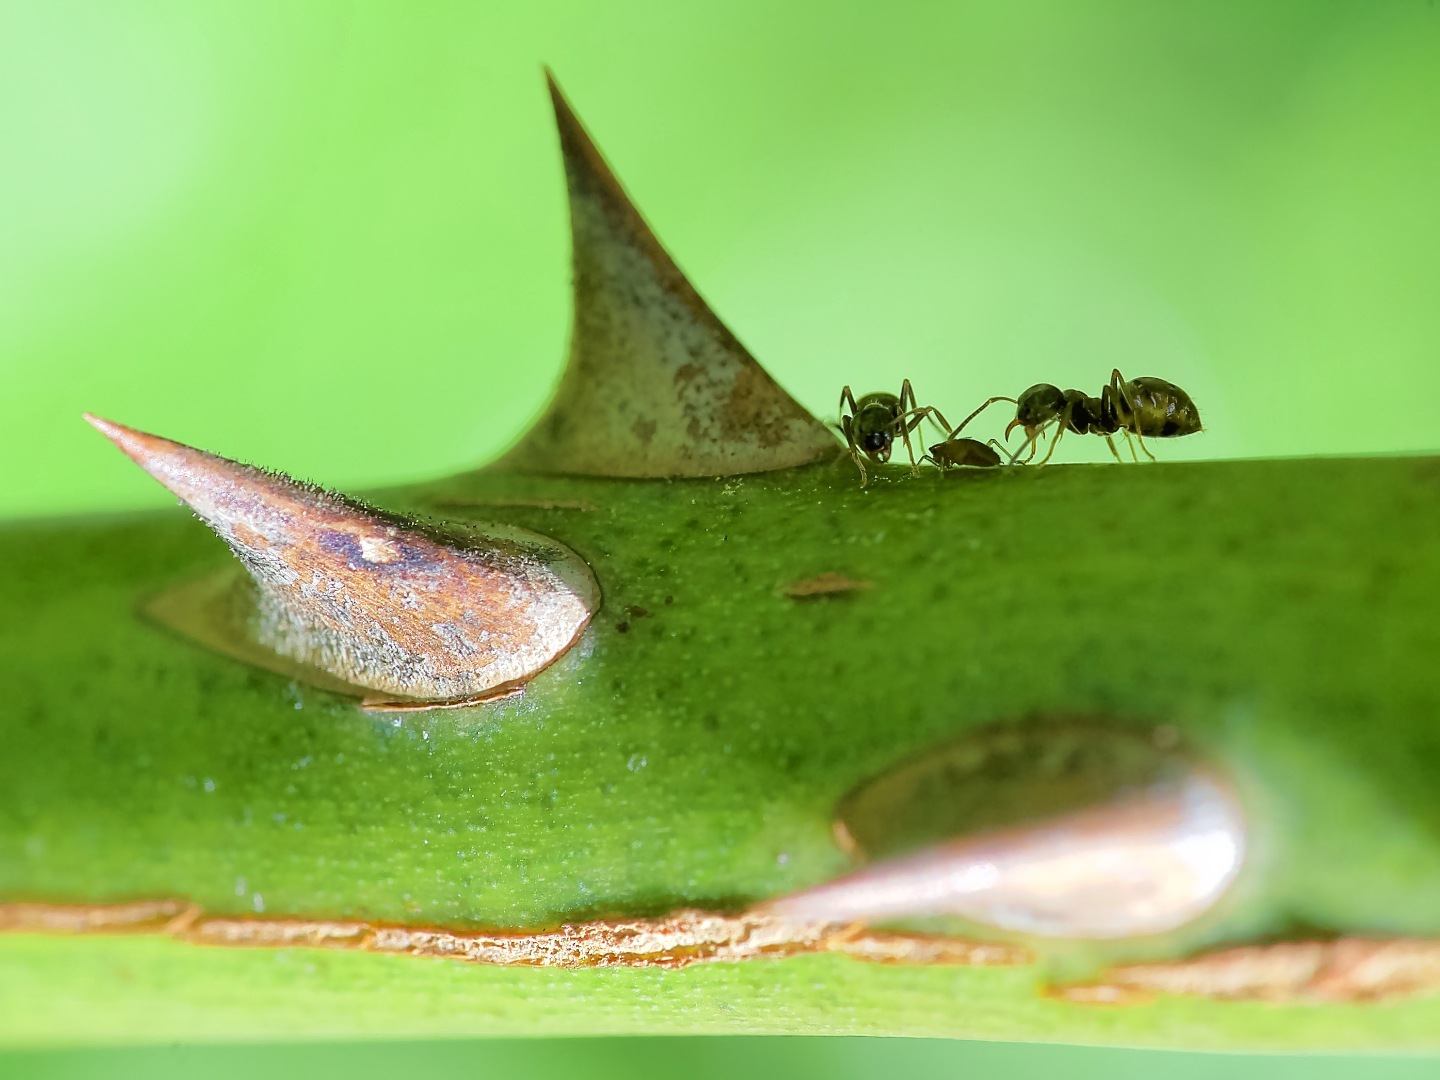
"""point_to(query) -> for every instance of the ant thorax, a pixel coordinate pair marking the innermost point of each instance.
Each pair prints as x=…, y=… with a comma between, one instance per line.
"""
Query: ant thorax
x=1089, y=414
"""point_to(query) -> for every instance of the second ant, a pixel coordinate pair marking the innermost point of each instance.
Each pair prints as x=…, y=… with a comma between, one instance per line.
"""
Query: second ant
x=1144, y=407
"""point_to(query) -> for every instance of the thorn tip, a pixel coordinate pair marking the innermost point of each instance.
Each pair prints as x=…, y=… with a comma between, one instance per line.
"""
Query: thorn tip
x=655, y=384
x=373, y=600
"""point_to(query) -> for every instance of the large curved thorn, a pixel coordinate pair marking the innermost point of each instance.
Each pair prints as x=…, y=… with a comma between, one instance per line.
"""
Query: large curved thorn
x=655, y=384
x=373, y=601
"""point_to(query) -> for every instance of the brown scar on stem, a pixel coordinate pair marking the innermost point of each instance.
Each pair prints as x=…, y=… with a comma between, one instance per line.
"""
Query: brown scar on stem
x=1344, y=969
x=363, y=602
x=823, y=585
x=678, y=940
x=139, y=916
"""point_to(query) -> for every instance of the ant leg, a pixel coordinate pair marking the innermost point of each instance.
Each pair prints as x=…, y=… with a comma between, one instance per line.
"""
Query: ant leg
x=1117, y=381
x=938, y=419
x=977, y=412
x=847, y=428
x=1064, y=422
x=1131, y=444
x=1031, y=441
x=1119, y=384
x=1111, y=443
x=907, y=423
x=908, y=408
x=913, y=416
x=907, y=393
x=912, y=420
x=1059, y=430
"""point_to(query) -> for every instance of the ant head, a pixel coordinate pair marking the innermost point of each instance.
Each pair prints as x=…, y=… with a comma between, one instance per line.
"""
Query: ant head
x=877, y=445
x=1039, y=404
x=875, y=426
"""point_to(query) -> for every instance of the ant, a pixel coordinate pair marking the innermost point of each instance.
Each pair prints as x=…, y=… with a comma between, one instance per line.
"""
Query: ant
x=1142, y=406
x=875, y=421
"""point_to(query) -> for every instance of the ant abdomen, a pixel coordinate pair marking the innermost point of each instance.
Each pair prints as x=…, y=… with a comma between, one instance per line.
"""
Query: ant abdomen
x=1161, y=410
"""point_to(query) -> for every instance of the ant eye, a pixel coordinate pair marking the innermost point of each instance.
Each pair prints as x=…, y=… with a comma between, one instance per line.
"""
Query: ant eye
x=876, y=441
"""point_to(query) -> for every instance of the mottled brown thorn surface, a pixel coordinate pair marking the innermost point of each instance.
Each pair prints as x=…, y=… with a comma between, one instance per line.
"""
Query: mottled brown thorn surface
x=655, y=384
x=374, y=602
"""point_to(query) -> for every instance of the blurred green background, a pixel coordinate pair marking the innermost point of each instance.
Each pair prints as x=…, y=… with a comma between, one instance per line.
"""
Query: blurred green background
x=331, y=238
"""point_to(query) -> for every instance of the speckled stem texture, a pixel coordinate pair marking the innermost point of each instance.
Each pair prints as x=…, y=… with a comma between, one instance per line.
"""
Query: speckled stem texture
x=1280, y=615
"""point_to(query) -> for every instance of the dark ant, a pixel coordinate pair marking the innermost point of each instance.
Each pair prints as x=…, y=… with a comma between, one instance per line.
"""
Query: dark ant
x=875, y=421
x=1142, y=407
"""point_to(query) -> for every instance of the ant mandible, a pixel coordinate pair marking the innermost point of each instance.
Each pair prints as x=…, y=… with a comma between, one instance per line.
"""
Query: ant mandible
x=875, y=421
x=1143, y=406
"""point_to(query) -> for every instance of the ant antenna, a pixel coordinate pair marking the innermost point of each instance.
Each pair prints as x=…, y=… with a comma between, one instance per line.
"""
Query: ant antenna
x=978, y=411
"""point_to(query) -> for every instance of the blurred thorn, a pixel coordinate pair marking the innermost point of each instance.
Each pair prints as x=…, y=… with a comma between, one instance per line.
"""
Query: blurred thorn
x=1140, y=866
x=375, y=601
x=655, y=384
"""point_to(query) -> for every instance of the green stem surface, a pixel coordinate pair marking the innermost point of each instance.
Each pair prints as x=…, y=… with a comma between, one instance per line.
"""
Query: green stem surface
x=690, y=752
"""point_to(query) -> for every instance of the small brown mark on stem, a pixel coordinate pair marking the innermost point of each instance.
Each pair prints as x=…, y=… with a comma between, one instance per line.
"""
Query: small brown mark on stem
x=826, y=584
